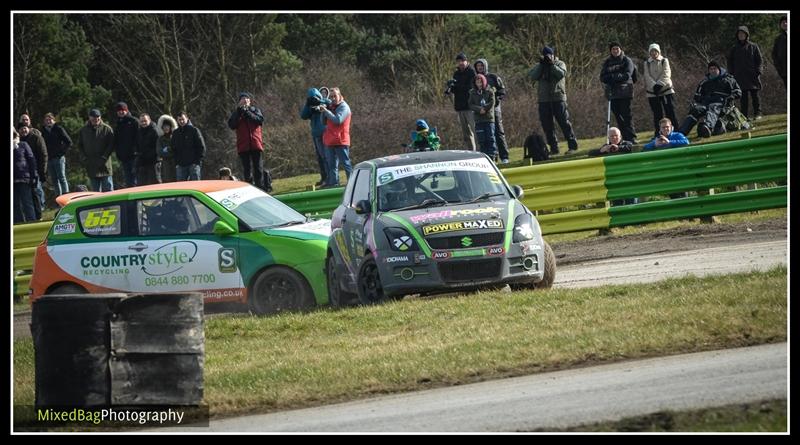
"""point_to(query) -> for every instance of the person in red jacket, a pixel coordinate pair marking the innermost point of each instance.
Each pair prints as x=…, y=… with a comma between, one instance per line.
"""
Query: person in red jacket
x=247, y=120
x=336, y=137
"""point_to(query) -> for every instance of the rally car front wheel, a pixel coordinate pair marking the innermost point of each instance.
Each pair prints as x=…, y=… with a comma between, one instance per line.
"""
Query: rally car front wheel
x=280, y=289
x=549, y=272
x=370, y=289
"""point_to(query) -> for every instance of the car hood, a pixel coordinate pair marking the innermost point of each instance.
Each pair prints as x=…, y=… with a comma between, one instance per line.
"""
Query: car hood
x=314, y=230
x=485, y=210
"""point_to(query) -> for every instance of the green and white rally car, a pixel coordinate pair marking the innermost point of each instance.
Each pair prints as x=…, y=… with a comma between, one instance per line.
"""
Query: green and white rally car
x=226, y=239
x=432, y=222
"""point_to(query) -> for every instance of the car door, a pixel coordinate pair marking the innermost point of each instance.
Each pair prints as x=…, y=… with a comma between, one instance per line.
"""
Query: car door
x=181, y=252
x=353, y=224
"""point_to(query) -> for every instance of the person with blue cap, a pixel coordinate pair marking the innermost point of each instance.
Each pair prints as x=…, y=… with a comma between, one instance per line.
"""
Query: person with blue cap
x=247, y=121
x=424, y=139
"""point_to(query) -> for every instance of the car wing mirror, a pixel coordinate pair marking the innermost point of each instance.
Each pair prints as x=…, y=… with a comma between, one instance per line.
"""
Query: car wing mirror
x=363, y=207
x=518, y=192
x=222, y=228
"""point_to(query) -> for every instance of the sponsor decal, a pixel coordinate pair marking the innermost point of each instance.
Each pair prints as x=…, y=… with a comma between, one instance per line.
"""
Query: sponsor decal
x=164, y=260
x=233, y=198
x=64, y=217
x=493, y=211
x=462, y=225
x=226, y=258
x=496, y=250
x=396, y=259
x=525, y=230
x=441, y=255
x=418, y=258
x=384, y=178
x=466, y=253
x=61, y=229
x=479, y=164
x=529, y=246
x=403, y=243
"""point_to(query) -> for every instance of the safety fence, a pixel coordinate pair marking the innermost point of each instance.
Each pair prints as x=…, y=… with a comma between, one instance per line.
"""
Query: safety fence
x=554, y=190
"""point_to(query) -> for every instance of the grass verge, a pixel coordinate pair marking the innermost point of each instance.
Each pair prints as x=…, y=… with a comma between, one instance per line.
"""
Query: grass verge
x=256, y=364
x=765, y=416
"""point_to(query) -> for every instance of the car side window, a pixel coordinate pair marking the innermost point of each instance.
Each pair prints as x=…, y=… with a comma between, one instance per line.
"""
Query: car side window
x=348, y=191
x=174, y=215
x=361, y=190
x=105, y=220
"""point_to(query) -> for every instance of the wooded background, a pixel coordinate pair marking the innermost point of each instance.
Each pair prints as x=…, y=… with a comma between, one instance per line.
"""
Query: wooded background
x=391, y=69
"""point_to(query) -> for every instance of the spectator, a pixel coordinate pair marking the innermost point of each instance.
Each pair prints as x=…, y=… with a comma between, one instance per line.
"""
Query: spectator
x=337, y=137
x=24, y=178
x=550, y=72
x=779, y=50
x=226, y=175
x=39, y=149
x=617, y=76
x=311, y=112
x=463, y=80
x=614, y=146
x=481, y=102
x=166, y=125
x=746, y=65
x=247, y=120
x=424, y=139
x=26, y=119
x=188, y=147
x=713, y=92
x=482, y=67
x=58, y=142
x=658, y=84
x=96, y=143
x=125, y=142
x=148, y=163
x=666, y=137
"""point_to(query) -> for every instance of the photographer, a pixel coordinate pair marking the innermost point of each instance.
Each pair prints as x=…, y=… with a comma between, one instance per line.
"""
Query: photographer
x=312, y=111
x=463, y=80
x=247, y=120
x=550, y=73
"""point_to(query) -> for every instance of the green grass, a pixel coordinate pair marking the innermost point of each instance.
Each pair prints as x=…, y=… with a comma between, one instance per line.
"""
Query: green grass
x=766, y=416
x=256, y=364
x=733, y=218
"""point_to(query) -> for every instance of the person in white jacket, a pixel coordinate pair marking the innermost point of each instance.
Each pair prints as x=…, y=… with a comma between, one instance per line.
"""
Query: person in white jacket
x=658, y=84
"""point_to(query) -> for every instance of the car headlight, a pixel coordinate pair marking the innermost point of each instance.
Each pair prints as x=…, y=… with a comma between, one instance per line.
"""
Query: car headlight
x=400, y=240
x=525, y=228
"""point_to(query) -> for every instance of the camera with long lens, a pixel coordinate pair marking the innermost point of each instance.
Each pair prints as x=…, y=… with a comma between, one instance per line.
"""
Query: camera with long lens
x=315, y=103
x=450, y=85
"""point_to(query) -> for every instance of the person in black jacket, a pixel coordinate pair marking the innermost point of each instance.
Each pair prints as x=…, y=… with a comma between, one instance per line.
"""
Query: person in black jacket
x=713, y=92
x=125, y=142
x=779, y=50
x=482, y=67
x=463, y=80
x=188, y=148
x=37, y=144
x=617, y=78
x=746, y=65
x=148, y=162
x=58, y=142
x=24, y=176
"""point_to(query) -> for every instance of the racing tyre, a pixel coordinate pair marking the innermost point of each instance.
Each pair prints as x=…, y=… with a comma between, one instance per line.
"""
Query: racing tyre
x=370, y=289
x=549, y=268
x=280, y=289
x=549, y=272
x=336, y=296
x=67, y=289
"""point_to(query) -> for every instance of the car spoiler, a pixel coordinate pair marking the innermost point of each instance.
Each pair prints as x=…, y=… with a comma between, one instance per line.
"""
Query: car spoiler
x=66, y=198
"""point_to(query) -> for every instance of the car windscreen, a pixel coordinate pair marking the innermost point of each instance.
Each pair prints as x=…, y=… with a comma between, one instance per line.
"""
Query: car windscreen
x=438, y=183
x=255, y=208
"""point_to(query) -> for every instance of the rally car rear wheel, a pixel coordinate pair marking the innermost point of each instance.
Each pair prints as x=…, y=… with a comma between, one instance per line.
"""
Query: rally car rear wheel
x=370, y=289
x=336, y=296
x=280, y=289
x=549, y=272
x=66, y=289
